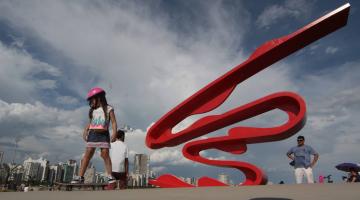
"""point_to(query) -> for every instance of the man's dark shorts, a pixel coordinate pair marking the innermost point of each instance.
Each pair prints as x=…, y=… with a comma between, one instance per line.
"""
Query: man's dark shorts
x=121, y=177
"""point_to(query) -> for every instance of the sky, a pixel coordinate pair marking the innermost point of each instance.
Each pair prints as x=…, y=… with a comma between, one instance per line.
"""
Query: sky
x=149, y=56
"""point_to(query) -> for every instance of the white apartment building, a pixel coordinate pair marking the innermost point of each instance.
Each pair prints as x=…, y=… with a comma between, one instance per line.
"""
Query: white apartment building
x=35, y=170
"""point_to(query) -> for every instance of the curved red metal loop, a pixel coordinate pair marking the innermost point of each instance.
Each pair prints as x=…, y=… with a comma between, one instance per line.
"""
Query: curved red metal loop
x=214, y=94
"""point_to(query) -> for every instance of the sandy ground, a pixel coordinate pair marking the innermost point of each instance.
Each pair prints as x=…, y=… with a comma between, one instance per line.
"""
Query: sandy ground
x=268, y=192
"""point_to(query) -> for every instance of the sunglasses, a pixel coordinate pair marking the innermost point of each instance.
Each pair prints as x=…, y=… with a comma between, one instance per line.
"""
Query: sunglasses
x=300, y=140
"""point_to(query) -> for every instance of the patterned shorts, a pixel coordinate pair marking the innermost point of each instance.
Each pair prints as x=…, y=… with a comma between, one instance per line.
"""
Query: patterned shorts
x=98, y=139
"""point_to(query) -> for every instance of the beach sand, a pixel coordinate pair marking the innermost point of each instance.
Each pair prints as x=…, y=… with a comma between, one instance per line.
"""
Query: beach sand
x=270, y=192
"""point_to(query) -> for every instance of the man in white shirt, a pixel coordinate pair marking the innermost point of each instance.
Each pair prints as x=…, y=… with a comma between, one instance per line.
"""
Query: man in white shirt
x=119, y=159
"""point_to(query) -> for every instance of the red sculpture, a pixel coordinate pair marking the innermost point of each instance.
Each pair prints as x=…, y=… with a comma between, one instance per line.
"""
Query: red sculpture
x=214, y=94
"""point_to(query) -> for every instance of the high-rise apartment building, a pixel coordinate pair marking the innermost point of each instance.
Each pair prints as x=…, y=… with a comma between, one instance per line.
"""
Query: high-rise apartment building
x=90, y=174
x=16, y=173
x=36, y=170
x=140, y=175
x=70, y=169
x=141, y=164
x=74, y=164
x=224, y=178
x=56, y=173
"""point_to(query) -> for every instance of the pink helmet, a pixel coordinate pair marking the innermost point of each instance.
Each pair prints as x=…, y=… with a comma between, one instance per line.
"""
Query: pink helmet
x=94, y=91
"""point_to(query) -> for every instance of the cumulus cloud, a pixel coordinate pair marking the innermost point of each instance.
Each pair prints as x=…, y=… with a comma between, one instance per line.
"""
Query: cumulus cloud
x=67, y=100
x=20, y=77
x=291, y=8
x=331, y=50
x=158, y=169
x=131, y=52
x=166, y=73
x=38, y=129
x=46, y=84
x=169, y=157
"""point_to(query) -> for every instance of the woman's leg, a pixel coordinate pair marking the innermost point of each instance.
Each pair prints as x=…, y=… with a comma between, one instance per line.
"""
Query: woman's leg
x=105, y=155
x=89, y=152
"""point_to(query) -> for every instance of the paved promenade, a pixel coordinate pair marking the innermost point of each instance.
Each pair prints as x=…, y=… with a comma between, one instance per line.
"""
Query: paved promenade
x=268, y=192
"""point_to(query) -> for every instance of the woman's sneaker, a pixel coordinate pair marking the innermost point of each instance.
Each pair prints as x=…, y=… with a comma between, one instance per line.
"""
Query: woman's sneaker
x=78, y=180
x=111, y=180
x=111, y=183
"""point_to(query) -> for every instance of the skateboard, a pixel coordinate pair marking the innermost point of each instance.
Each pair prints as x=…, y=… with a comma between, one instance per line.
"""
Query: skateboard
x=84, y=186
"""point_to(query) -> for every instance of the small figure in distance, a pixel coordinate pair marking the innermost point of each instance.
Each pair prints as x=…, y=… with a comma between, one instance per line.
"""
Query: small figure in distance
x=353, y=176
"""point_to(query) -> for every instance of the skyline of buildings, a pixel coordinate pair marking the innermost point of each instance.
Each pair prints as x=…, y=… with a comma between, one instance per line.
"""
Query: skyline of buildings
x=40, y=171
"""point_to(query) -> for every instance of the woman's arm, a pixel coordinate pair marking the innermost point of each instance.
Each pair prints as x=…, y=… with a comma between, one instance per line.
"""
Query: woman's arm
x=113, y=126
x=86, y=132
